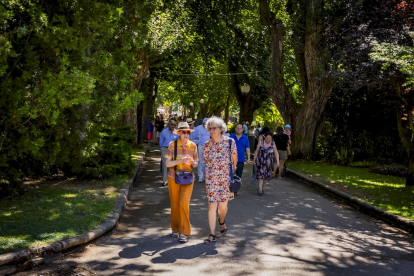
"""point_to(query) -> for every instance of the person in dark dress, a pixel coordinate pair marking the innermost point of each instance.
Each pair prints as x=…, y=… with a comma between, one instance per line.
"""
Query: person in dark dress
x=281, y=140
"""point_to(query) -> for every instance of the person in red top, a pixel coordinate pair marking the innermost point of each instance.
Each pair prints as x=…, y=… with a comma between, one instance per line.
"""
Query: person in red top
x=180, y=195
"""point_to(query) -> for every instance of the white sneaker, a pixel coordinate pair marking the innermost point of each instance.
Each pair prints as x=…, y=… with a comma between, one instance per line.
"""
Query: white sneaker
x=174, y=234
x=200, y=181
x=183, y=238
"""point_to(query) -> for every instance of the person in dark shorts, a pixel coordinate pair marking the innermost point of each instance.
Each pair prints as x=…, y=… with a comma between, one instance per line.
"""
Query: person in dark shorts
x=281, y=140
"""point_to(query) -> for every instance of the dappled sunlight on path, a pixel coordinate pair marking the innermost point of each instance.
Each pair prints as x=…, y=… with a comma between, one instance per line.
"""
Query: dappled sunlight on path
x=292, y=230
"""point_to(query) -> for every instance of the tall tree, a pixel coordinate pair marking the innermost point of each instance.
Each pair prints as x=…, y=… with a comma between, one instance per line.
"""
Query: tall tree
x=306, y=25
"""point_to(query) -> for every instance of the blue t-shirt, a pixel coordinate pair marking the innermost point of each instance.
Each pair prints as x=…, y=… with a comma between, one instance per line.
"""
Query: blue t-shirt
x=150, y=127
x=241, y=145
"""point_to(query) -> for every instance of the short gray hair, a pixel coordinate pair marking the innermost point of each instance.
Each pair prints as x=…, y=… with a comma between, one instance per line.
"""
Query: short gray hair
x=219, y=122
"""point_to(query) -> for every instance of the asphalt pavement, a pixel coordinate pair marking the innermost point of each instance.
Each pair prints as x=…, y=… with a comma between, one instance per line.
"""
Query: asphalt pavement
x=292, y=230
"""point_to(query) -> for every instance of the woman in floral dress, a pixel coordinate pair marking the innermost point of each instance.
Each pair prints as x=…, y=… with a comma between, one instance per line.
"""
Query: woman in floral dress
x=217, y=153
x=263, y=157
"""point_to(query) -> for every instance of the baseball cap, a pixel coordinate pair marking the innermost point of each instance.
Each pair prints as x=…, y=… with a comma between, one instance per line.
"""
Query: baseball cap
x=288, y=127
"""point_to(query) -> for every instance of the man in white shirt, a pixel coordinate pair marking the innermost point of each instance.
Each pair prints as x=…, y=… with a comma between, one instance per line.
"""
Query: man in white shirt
x=200, y=137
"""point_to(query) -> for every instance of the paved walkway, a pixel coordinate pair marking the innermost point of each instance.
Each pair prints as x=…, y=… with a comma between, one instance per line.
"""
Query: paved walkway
x=292, y=230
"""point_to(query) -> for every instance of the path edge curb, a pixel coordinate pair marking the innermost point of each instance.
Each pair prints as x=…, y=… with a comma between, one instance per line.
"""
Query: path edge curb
x=28, y=255
x=385, y=216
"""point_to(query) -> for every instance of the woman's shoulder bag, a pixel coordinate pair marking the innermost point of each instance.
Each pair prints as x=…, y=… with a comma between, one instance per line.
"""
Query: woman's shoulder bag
x=181, y=178
x=235, y=182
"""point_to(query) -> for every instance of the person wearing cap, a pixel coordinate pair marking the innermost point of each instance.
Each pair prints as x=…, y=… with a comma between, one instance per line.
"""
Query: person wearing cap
x=180, y=195
x=200, y=137
x=166, y=136
x=287, y=130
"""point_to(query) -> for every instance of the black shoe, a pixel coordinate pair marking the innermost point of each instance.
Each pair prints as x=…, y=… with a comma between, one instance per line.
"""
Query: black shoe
x=236, y=194
x=164, y=184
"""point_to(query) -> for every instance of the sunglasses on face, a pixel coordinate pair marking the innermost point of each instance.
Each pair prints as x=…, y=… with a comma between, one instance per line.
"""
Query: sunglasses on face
x=173, y=124
x=185, y=132
x=212, y=128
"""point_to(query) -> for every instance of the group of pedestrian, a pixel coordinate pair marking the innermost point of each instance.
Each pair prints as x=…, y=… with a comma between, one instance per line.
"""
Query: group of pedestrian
x=215, y=154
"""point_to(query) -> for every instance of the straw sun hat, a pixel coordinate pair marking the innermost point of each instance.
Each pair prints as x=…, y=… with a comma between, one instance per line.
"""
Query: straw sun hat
x=183, y=126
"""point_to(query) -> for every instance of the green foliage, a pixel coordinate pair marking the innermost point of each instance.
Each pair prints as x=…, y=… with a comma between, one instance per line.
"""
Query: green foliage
x=343, y=157
x=269, y=116
x=399, y=55
x=110, y=156
x=356, y=129
x=67, y=71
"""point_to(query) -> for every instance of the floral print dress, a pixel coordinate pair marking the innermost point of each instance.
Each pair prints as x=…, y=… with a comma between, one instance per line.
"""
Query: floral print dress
x=217, y=158
x=264, y=162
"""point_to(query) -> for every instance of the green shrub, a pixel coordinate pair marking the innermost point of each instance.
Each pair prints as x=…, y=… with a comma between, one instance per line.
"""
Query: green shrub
x=110, y=156
x=393, y=169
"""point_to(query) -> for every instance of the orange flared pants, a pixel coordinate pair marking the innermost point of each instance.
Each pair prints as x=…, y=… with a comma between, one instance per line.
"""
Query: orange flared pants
x=180, y=206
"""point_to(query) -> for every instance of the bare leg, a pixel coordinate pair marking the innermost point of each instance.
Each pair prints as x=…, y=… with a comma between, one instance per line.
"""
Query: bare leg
x=222, y=211
x=212, y=209
x=260, y=185
x=281, y=164
x=264, y=184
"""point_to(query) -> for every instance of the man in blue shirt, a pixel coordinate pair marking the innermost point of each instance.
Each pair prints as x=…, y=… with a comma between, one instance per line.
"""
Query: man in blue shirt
x=242, y=144
x=200, y=137
x=167, y=136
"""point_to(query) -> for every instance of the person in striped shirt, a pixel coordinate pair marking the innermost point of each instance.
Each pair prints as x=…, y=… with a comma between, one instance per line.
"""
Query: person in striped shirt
x=180, y=195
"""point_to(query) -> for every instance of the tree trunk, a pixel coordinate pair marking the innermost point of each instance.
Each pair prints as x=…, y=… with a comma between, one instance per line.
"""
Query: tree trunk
x=306, y=119
x=409, y=181
x=227, y=110
x=148, y=103
x=247, y=102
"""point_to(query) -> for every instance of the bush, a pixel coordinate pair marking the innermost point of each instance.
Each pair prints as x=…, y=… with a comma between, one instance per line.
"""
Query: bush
x=393, y=169
x=110, y=156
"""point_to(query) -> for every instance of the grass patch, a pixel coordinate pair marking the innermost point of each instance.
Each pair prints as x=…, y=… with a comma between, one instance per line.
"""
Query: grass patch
x=386, y=192
x=54, y=210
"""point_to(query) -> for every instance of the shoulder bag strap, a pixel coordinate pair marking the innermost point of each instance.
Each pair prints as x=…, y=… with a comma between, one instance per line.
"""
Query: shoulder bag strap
x=175, y=154
x=231, y=163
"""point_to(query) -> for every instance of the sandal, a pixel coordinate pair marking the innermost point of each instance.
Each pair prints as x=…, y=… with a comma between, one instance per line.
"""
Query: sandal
x=208, y=240
x=224, y=230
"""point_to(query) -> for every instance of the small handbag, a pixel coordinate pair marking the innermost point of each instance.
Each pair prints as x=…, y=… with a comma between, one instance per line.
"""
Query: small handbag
x=181, y=178
x=235, y=182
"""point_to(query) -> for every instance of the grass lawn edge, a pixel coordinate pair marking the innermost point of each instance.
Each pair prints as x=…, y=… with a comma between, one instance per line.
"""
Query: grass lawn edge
x=64, y=244
x=357, y=203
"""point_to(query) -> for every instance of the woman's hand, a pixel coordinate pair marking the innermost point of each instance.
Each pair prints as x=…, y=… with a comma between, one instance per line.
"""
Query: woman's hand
x=187, y=160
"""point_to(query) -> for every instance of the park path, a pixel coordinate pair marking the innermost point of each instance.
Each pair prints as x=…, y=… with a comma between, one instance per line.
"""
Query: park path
x=293, y=230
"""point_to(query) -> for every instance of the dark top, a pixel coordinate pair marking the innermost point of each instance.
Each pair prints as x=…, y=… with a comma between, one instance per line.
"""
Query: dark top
x=150, y=127
x=281, y=141
x=198, y=122
x=159, y=125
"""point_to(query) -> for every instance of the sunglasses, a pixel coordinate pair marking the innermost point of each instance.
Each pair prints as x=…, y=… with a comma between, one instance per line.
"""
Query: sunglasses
x=173, y=124
x=212, y=128
x=186, y=132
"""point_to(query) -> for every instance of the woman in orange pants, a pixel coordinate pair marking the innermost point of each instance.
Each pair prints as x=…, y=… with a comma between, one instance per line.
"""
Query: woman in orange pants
x=180, y=194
